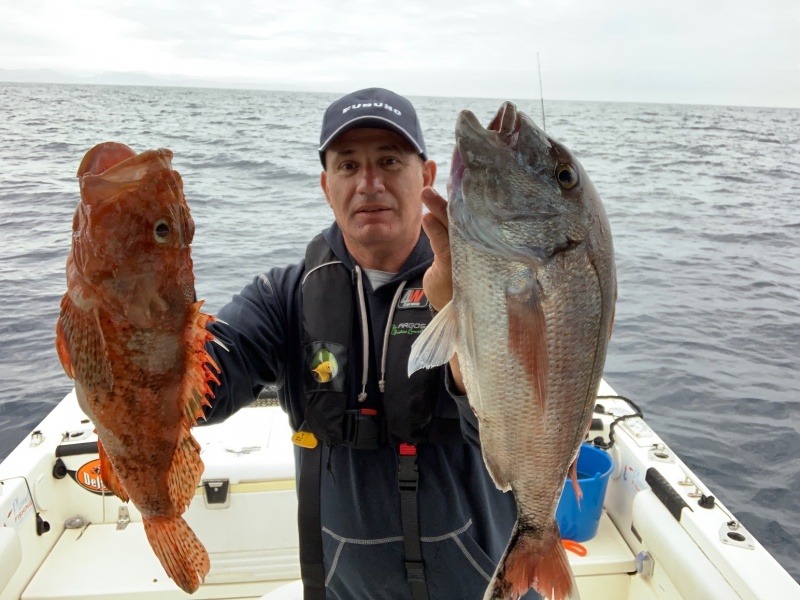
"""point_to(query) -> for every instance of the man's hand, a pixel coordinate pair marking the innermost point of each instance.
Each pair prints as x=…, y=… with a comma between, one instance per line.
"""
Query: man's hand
x=438, y=279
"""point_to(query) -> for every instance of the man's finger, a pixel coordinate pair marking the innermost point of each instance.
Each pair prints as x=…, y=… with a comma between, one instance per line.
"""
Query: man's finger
x=436, y=204
x=438, y=235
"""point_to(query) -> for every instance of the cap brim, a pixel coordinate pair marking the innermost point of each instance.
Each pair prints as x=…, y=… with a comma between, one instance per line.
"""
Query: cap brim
x=371, y=121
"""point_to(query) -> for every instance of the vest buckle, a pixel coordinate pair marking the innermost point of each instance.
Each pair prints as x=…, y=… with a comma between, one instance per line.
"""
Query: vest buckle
x=363, y=429
x=407, y=450
x=407, y=468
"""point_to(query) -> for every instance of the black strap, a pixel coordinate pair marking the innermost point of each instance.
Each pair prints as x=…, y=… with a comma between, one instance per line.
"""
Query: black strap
x=309, y=524
x=312, y=568
x=408, y=483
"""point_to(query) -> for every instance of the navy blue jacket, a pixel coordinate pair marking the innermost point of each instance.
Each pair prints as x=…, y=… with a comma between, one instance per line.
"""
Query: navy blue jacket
x=465, y=521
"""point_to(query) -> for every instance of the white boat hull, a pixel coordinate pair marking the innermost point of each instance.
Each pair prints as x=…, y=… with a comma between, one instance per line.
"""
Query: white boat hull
x=641, y=551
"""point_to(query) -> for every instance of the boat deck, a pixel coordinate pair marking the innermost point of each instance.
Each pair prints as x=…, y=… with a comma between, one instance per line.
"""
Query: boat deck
x=100, y=561
x=251, y=536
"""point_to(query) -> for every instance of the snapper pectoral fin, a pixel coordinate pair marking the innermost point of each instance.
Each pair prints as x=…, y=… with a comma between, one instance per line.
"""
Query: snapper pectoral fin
x=527, y=336
x=437, y=343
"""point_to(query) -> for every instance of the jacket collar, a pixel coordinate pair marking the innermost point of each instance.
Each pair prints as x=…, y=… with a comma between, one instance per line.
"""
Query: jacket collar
x=417, y=262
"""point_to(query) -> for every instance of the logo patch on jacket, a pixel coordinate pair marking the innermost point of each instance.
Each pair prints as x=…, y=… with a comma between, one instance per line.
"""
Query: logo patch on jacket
x=324, y=366
x=407, y=328
x=413, y=298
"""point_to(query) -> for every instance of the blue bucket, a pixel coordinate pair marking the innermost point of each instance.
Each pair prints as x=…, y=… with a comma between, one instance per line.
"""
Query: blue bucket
x=594, y=468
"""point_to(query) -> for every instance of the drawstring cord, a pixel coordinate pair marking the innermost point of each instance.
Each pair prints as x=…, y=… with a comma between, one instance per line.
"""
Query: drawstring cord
x=364, y=335
x=395, y=300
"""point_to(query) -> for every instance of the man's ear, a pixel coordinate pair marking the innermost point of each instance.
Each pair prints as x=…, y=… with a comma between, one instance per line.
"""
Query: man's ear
x=428, y=173
x=323, y=183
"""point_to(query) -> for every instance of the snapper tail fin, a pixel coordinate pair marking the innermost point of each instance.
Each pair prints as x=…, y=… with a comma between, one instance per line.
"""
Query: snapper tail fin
x=533, y=561
x=180, y=552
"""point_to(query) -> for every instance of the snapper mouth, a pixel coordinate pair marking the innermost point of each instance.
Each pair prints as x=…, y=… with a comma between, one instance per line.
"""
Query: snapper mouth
x=502, y=132
x=507, y=123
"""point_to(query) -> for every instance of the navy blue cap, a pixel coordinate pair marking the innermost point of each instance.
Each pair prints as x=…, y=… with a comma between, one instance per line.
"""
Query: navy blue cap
x=372, y=107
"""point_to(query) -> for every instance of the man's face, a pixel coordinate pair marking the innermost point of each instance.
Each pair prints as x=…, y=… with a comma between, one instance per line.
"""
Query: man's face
x=372, y=181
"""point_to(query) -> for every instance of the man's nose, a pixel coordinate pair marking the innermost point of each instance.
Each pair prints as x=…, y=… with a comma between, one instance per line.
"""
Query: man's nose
x=370, y=181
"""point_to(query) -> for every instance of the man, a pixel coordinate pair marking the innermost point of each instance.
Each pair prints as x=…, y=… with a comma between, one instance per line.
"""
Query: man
x=394, y=499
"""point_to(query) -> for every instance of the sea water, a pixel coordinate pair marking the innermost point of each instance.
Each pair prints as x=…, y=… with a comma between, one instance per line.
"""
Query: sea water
x=703, y=201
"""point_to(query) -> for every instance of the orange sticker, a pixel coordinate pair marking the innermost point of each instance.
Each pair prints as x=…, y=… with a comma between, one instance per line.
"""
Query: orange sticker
x=88, y=476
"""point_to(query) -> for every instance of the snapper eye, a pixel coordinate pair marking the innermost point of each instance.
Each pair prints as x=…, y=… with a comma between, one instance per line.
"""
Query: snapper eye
x=161, y=231
x=567, y=176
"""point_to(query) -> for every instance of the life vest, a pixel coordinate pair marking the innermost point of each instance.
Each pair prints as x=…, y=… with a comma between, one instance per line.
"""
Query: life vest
x=407, y=412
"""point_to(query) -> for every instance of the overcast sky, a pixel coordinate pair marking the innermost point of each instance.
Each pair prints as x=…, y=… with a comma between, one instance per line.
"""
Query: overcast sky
x=744, y=52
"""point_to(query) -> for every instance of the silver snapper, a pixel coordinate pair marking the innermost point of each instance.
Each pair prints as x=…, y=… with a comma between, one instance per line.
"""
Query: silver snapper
x=534, y=288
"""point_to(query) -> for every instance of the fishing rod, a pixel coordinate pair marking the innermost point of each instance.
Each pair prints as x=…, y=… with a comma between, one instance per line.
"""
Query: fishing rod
x=541, y=94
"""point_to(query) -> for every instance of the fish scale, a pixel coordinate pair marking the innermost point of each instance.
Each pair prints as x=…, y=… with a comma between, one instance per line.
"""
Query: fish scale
x=534, y=288
x=132, y=336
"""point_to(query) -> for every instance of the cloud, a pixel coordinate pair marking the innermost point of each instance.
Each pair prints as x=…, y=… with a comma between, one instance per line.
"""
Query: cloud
x=589, y=49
